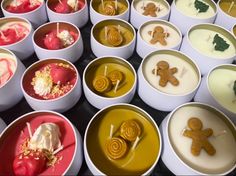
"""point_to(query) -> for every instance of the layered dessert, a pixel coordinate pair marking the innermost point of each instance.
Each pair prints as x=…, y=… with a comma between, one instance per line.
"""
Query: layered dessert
x=38, y=144
x=151, y=8
x=110, y=7
x=22, y=6
x=109, y=78
x=66, y=6
x=212, y=43
x=170, y=74
x=50, y=80
x=229, y=7
x=160, y=35
x=196, y=8
x=13, y=31
x=7, y=68
x=113, y=35
x=203, y=139
x=222, y=85
x=119, y=146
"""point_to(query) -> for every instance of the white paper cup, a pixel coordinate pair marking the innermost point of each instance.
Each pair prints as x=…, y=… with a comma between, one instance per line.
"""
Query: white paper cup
x=2, y=125
x=184, y=22
x=92, y=126
x=144, y=47
x=10, y=92
x=137, y=19
x=223, y=19
x=205, y=94
x=100, y=50
x=37, y=17
x=23, y=49
x=77, y=158
x=159, y=99
x=59, y=104
x=95, y=17
x=71, y=53
x=177, y=163
x=78, y=18
x=100, y=101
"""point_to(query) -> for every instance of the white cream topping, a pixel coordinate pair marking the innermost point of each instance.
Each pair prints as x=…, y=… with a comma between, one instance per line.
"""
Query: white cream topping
x=73, y=4
x=42, y=83
x=46, y=136
x=66, y=38
x=19, y=2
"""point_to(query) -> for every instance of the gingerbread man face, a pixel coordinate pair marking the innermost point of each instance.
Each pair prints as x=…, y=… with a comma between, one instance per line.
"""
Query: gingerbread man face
x=158, y=35
x=199, y=137
x=151, y=9
x=162, y=69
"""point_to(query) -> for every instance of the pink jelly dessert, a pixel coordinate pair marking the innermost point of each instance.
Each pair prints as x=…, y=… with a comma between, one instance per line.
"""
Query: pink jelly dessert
x=50, y=81
x=57, y=40
x=12, y=33
x=23, y=6
x=67, y=6
x=7, y=69
x=39, y=143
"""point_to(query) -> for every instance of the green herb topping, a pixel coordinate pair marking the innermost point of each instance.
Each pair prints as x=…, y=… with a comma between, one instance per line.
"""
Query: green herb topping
x=201, y=6
x=220, y=43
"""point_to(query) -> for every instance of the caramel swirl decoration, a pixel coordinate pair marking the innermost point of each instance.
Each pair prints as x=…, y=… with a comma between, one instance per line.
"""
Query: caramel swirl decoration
x=101, y=84
x=115, y=75
x=109, y=8
x=130, y=130
x=114, y=37
x=116, y=148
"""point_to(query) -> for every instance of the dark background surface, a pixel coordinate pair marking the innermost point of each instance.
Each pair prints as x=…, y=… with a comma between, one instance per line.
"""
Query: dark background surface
x=82, y=112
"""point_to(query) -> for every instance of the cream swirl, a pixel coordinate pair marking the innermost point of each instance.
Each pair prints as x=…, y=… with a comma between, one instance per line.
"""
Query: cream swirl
x=66, y=38
x=7, y=69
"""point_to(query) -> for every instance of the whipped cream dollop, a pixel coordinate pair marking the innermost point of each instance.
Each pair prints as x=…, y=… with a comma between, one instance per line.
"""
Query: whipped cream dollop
x=19, y=2
x=73, y=4
x=7, y=69
x=66, y=38
x=46, y=136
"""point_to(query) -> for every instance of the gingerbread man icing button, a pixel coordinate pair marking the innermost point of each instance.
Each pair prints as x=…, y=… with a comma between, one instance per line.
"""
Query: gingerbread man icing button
x=158, y=35
x=199, y=137
x=166, y=73
x=151, y=9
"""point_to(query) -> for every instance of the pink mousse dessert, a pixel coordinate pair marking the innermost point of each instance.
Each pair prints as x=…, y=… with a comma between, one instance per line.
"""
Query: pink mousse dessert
x=66, y=6
x=23, y=6
x=49, y=81
x=7, y=68
x=12, y=32
x=40, y=143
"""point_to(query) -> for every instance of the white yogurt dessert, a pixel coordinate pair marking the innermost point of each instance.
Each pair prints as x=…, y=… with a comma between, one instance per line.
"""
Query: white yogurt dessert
x=195, y=8
x=216, y=152
x=185, y=74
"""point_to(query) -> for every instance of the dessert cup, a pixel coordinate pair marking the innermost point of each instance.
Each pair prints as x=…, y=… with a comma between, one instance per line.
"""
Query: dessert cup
x=136, y=160
x=78, y=18
x=72, y=52
x=113, y=37
x=177, y=153
x=167, y=79
x=138, y=16
x=52, y=84
x=97, y=14
x=105, y=67
x=10, y=91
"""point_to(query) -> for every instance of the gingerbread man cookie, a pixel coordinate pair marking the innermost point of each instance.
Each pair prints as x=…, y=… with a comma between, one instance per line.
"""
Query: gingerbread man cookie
x=151, y=9
x=158, y=35
x=199, y=137
x=166, y=74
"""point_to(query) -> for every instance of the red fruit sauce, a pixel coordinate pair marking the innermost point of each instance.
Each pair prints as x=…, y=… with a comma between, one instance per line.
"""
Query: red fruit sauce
x=23, y=6
x=63, y=7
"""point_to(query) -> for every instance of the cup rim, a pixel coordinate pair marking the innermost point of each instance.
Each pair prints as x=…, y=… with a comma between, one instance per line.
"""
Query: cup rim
x=229, y=16
x=17, y=64
x=150, y=17
x=16, y=19
x=212, y=25
x=118, y=47
x=115, y=16
x=194, y=18
x=110, y=98
x=170, y=115
x=159, y=21
x=134, y=107
x=208, y=88
x=67, y=14
x=62, y=49
x=197, y=70
x=54, y=113
x=25, y=13
x=54, y=99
